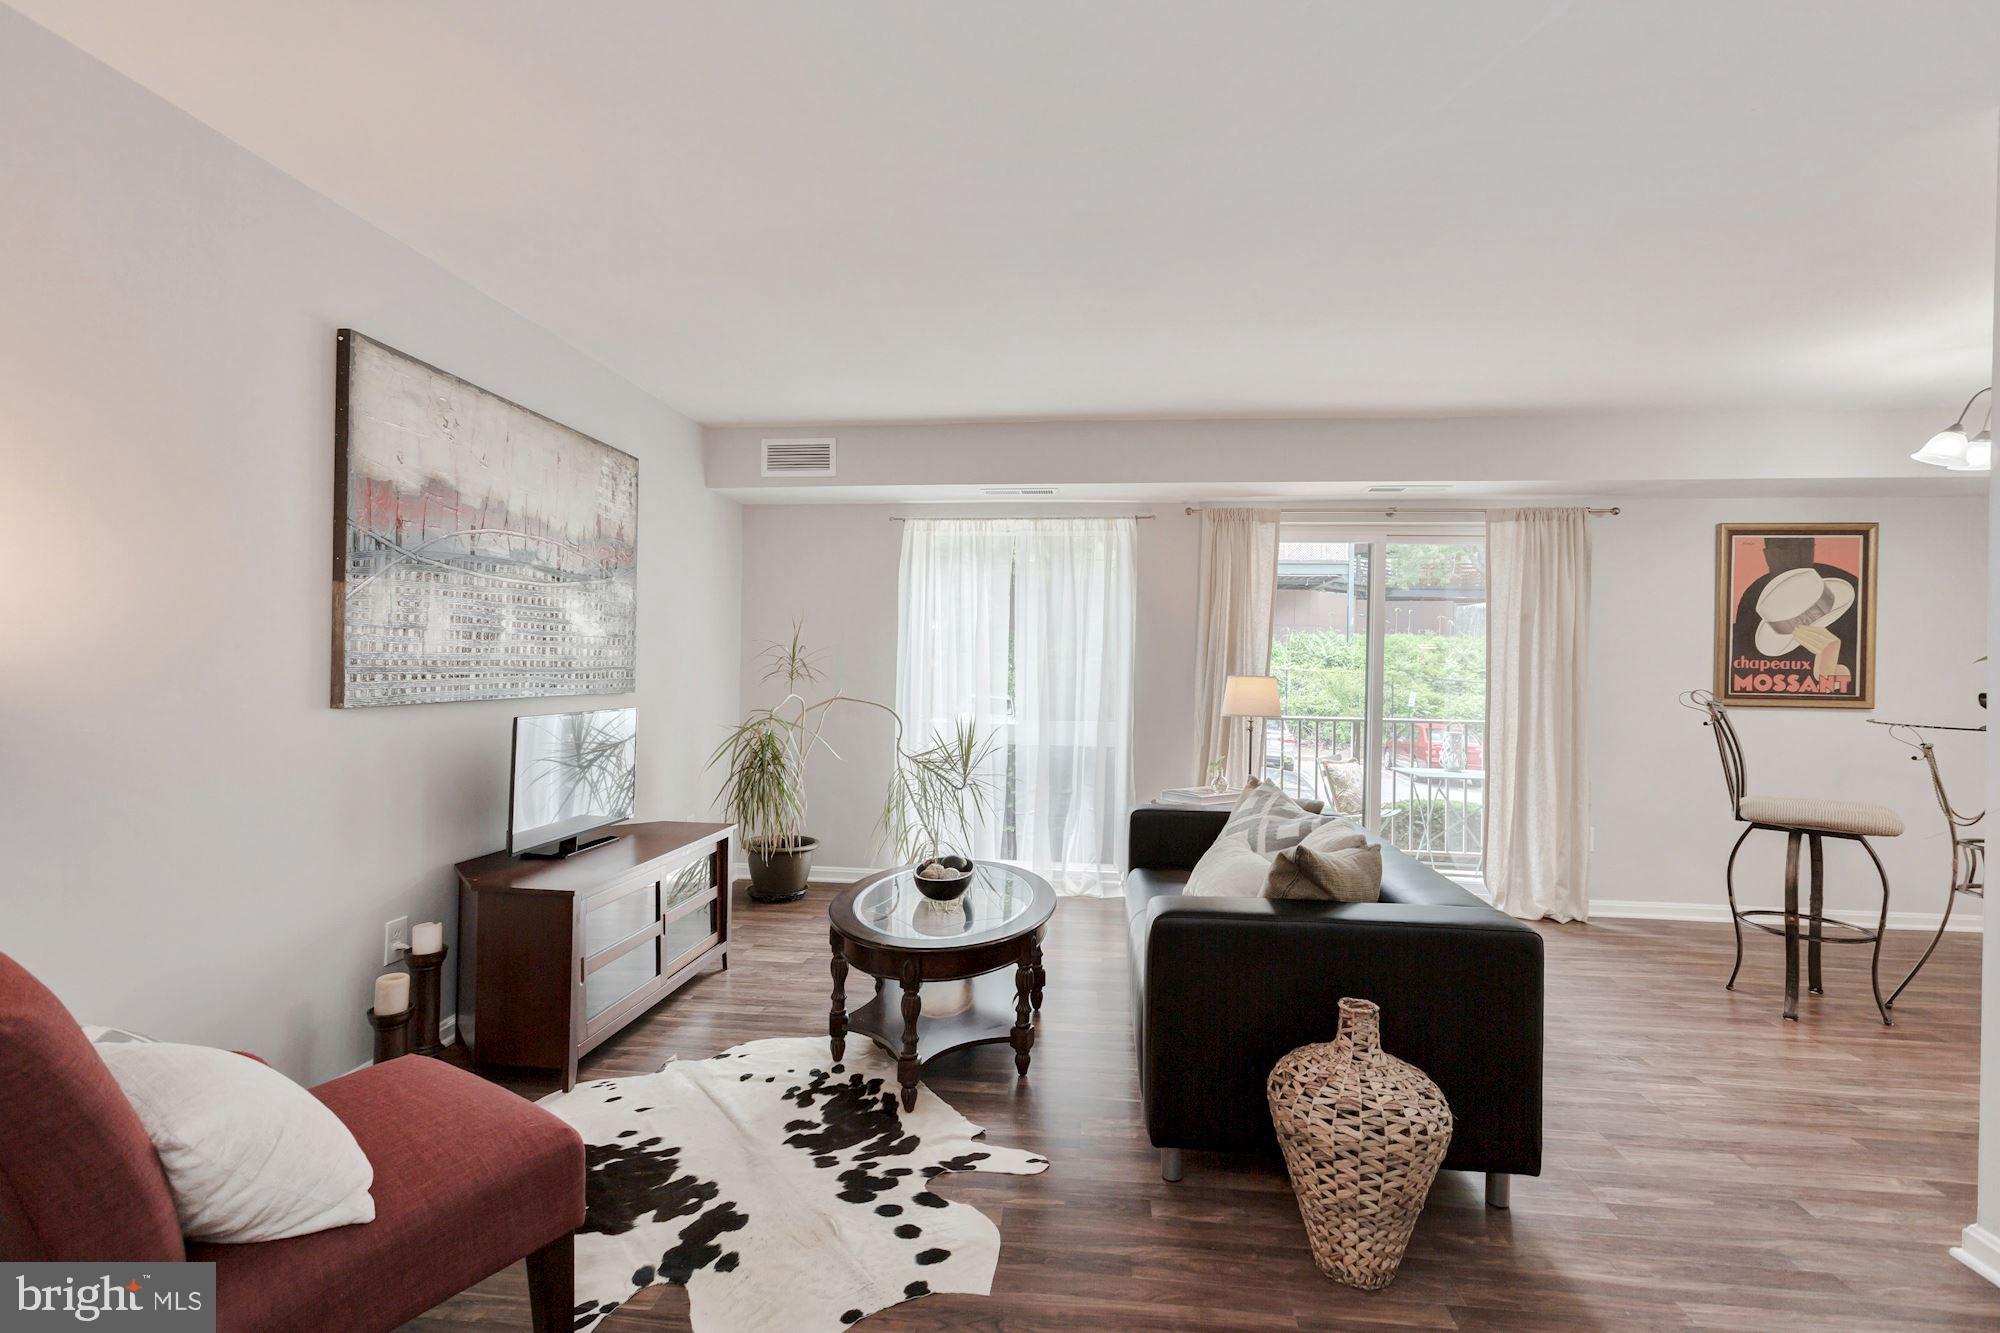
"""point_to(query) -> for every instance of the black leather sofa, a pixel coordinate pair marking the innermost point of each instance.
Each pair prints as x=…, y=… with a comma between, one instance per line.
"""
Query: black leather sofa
x=1223, y=987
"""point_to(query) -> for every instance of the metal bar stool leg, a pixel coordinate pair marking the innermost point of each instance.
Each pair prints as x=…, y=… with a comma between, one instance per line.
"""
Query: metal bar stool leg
x=1792, y=839
x=1818, y=902
x=1950, y=900
x=1729, y=883
x=1881, y=929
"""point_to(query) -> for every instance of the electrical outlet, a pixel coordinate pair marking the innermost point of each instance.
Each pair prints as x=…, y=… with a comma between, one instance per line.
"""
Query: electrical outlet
x=395, y=940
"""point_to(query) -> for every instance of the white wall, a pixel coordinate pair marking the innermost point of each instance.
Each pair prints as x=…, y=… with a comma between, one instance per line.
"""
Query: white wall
x=1659, y=808
x=1979, y=1248
x=1662, y=823
x=836, y=566
x=197, y=846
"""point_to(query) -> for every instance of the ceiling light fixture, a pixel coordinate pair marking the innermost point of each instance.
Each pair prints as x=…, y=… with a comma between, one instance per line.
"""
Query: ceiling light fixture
x=1978, y=453
x=1949, y=448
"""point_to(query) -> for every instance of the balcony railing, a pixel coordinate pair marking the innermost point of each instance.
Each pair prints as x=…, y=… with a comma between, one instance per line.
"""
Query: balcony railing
x=1433, y=778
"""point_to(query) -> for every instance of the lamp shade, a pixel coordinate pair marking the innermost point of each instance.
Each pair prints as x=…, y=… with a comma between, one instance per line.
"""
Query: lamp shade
x=1251, y=696
x=1944, y=449
x=1978, y=454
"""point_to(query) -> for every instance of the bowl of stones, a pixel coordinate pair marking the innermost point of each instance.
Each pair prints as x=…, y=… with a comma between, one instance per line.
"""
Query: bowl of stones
x=944, y=879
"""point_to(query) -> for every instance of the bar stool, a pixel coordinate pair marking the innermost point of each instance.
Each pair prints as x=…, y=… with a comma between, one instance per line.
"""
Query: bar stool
x=1801, y=820
x=1968, y=854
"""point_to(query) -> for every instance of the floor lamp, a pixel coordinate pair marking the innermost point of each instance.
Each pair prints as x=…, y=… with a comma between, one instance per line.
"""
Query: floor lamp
x=1251, y=698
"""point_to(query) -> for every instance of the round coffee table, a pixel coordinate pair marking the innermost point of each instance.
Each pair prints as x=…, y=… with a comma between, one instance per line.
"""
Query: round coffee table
x=885, y=927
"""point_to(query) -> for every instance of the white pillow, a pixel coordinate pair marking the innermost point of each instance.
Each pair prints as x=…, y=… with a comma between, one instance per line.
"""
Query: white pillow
x=1230, y=868
x=101, y=1034
x=1233, y=868
x=249, y=1154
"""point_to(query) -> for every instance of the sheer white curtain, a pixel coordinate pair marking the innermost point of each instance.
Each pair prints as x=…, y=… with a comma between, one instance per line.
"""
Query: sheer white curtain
x=955, y=638
x=1238, y=591
x=1537, y=765
x=1054, y=598
x=1072, y=781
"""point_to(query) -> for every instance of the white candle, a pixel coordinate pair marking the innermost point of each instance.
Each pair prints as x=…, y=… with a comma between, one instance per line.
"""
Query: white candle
x=392, y=993
x=428, y=937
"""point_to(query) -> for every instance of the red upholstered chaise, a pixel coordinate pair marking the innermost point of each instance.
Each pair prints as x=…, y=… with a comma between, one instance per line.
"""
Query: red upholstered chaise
x=469, y=1179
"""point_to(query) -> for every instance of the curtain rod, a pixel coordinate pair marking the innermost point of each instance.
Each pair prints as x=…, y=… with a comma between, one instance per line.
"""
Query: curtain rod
x=1014, y=518
x=1392, y=511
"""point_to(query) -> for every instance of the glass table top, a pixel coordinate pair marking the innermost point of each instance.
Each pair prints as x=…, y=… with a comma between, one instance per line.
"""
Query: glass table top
x=999, y=899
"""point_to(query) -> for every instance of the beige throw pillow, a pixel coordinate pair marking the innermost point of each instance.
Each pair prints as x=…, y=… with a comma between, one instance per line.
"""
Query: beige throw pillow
x=1348, y=873
x=1332, y=836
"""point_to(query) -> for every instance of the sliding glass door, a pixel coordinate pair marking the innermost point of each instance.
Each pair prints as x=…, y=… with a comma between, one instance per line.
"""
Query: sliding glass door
x=1379, y=647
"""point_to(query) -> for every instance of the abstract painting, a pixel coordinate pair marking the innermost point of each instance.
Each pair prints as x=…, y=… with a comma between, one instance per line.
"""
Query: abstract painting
x=1795, y=614
x=481, y=550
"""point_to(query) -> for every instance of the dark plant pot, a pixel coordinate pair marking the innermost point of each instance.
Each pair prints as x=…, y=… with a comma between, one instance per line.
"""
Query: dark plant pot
x=946, y=890
x=778, y=873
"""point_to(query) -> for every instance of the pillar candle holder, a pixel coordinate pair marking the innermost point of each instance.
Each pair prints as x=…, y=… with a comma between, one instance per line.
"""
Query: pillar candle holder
x=426, y=979
x=392, y=1034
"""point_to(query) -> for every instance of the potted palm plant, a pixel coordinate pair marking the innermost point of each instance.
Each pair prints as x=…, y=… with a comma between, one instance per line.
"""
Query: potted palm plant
x=763, y=788
x=766, y=800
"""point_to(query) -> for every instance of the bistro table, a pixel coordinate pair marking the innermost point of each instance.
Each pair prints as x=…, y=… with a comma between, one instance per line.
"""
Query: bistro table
x=948, y=956
x=1463, y=781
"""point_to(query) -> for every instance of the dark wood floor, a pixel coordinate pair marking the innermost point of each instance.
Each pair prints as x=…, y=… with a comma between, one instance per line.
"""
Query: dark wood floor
x=1708, y=1164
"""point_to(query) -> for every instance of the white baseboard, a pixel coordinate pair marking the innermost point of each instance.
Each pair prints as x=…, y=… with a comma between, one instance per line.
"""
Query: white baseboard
x=820, y=874
x=1966, y=917
x=839, y=874
x=447, y=1033
x=1979, y=1250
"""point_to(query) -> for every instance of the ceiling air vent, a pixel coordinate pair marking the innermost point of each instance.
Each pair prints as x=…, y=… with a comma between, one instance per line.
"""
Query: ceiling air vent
x=1408, y=488
x=1017, y=490
x=799, y=458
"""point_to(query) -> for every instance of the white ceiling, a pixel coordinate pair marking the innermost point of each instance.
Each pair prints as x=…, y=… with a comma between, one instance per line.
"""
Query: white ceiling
x=903, y=209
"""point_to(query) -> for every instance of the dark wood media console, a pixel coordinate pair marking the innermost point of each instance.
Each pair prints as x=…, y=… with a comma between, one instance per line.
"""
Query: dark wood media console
x=556, y=956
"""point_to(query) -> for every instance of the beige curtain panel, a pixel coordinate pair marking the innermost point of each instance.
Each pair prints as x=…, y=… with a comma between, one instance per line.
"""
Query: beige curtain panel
x=1537, y=766
x=1239, y=590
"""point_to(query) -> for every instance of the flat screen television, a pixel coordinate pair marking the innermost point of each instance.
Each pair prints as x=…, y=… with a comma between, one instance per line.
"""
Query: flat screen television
x=574, y=773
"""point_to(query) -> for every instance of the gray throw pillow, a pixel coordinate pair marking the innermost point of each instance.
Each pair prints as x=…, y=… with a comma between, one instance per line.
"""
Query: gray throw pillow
x=1267, y=819
x=1345, y=874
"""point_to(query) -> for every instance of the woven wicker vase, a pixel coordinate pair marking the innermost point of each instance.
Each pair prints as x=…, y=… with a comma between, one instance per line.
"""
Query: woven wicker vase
x=1363, y=1134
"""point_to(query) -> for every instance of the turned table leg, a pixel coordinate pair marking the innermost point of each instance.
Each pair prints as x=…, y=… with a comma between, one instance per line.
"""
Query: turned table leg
x=836, y=1017
x=913, y=1005
x=1041, y=976
x=1023, y=1035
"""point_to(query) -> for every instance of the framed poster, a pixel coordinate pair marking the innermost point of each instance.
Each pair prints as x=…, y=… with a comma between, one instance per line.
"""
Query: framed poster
x=480, y=550
x=1795, y=615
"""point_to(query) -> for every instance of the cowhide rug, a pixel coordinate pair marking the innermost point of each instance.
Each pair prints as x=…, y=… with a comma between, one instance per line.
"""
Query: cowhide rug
x=784, y=1191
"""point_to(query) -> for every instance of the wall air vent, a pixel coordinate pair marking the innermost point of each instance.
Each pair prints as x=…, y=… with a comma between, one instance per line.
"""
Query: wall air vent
x=1412, y=488
x=1017, y=490
x=799, y=458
